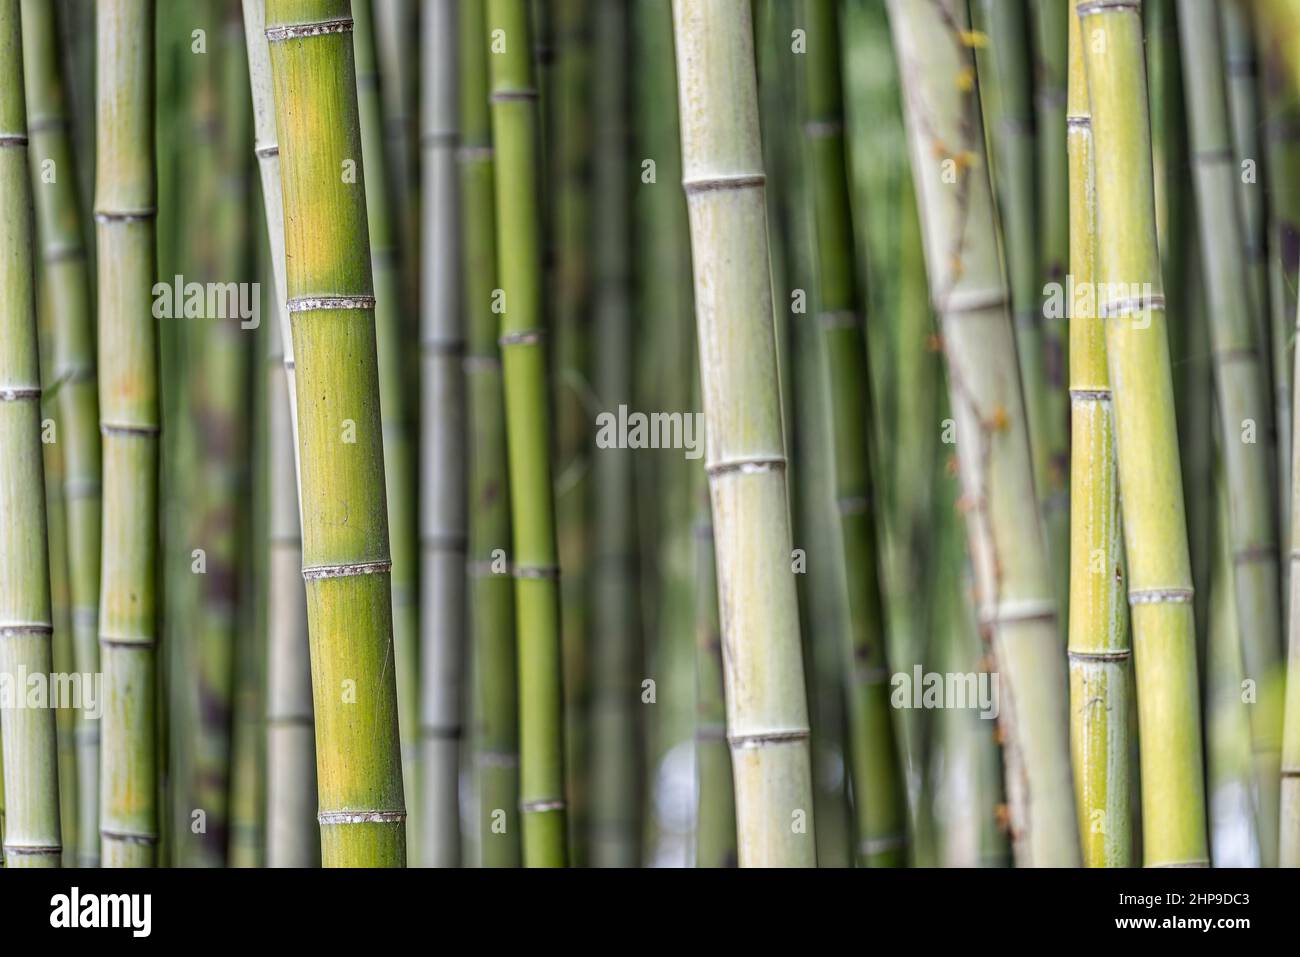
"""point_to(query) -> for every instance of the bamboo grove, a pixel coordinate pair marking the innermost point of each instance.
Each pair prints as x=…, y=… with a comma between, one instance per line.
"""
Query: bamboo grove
x=621, y=433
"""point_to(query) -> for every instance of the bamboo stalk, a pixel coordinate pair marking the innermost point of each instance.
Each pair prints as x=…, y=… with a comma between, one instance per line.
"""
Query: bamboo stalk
x=1289, y=816
x=1241, y=387
x=399, y=467
x=442, y=481
x=513, y=98
x=66, y=271
x=125, y=197
x=32, y=835
x=1099, y=651
x=1014, y=593
x=292, y=833
x=492, y=607
x=1160, y=586
x=344, y=519
x=615, y=716
x=877, y=788
x=767, y=719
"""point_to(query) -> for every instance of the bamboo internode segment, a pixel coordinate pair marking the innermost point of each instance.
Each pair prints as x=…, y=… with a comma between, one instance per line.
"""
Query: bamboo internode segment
x=292, y=834
x=340, y=437
x=125, y=200
x=443, y=525
x=528, y=432
x=27, y=734
x=879, y=802
x=762, y=661
x=968, y=290
x=1099, y=651
x=1241, y=388
x=1146, y=441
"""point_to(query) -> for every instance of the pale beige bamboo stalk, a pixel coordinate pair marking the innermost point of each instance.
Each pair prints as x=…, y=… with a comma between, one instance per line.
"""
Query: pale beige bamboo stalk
x=722, y=160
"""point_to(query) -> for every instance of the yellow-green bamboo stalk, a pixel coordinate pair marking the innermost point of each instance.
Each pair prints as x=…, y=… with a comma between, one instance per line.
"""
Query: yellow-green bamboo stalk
x=492, y=611
x=1241, y=386
x=513, y=95
x=292, y=834
x=344, y=519
x=125, y=197
x=442, y=450
x=1098, y=628
x=399, y=469
x=1014, y=590
x=63, y=253
x=722, y=167
x=1289, y=817
x=32, y=835
x=1146, y=437
x=879, y=804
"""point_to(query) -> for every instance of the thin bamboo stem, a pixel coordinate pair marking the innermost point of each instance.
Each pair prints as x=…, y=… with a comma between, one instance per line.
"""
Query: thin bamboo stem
x=722, y=165
x=1146, y=437
x=32, y=836
x=346, y=561
x=1099, y=650
x=1014, y=592
x=513, y=98
x=66, y=271
x=442, y=452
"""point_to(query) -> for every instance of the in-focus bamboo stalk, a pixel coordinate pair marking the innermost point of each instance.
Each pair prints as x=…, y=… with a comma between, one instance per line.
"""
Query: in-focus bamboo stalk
x=1241, y=386
x=722, y=165
x=344, y=520
x=1099, y=651
x=615, y=712
x=292, y=833
x=513, y=98
x=491, y=592
x=32, y=835
x=879, y=805
x=442, y=451
x=63, y=251
x=1014, y=591
x=399, y=468
x=1155, y=535
x=125, y=198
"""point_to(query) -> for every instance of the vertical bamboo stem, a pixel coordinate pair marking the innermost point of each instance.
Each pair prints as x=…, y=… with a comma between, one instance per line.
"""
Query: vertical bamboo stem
x=513, y=98
x=30, y=752
x=722, y=165
x=1014, y=593
x=344, y=516
x=63, y=251
x=1146, y=437
x=442, y=510
x=1099, y=651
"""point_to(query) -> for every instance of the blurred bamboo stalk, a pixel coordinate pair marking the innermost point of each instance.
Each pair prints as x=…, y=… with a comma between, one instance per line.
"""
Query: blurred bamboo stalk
x=1015, y=597
x=32, y=836
x=63, y=251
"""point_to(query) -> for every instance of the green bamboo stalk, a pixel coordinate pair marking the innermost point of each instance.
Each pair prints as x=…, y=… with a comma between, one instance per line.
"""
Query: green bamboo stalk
x=513, y=97
x=1160, y=586
x=1002, y=54
x=63, y=251
x=1099, y=651
x=32, y=835
x=397, y=38
x=1241, y=387
x=1289, y=817
x=492, y=606
x=125, y=197
x=877, y=788
x=615, y=762
x=292, y=833
x=344, y=520
x=1016, y=604
x=767, y=718
x=399, y=454
x=442, y=452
